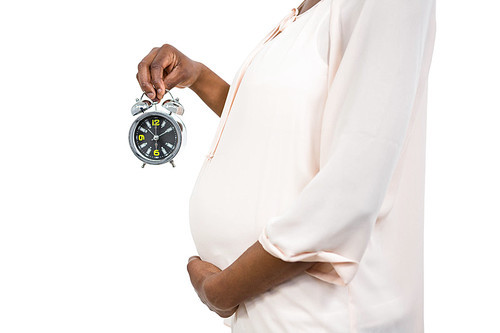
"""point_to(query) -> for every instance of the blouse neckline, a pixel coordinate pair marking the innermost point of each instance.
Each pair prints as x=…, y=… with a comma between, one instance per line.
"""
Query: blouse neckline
x=301, y=14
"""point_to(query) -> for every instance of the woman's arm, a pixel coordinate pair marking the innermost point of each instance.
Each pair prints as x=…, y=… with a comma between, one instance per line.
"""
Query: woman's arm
x=211, y=89
x=253, y=273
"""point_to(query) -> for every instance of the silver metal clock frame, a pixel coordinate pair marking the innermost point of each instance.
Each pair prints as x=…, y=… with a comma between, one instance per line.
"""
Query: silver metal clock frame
x=171, y=115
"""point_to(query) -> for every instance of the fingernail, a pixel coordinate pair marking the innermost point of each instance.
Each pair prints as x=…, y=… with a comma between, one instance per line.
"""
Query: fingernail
x=158, y=90
x=150, y=95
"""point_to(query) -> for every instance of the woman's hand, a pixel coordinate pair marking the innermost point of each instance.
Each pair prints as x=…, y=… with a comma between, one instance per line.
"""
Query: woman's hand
x=166, y=67
x=201, y=273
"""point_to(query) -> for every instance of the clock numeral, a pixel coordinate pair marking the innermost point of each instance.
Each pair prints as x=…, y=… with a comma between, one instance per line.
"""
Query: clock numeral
x=156, y=152
x=156, y=122
x=141, y=137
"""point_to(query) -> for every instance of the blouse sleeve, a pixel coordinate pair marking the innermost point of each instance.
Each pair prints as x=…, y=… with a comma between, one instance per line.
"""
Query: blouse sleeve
x=375, y=62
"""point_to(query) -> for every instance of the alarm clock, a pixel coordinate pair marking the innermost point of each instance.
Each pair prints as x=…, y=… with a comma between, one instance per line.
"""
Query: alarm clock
x=158, y=133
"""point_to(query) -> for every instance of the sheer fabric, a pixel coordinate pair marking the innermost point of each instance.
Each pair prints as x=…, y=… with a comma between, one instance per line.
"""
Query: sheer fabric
x=320, y=156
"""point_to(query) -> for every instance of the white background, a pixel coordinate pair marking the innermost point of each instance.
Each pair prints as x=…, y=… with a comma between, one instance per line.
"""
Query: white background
x=90, y=242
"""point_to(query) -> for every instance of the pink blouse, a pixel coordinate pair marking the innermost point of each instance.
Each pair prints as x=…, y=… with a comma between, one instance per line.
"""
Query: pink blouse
x=320, y=156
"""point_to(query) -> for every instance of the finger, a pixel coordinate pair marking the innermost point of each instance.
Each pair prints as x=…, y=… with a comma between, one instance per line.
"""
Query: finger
x=193, y=258
x=190, y=264
x=158, y=65
x=144, y=74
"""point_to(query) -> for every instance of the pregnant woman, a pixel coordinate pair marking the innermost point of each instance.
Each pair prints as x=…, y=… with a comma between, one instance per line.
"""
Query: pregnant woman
x=307, y=213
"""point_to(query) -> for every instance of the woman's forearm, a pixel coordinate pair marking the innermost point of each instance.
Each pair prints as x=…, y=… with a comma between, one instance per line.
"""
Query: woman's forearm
x=253, y=273
x=211, y=88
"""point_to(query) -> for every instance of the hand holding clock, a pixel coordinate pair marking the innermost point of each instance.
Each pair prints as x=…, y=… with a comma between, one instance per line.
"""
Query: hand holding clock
x=166, y=67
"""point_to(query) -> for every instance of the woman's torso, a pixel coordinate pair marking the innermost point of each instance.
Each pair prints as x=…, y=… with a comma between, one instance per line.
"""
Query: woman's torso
x=267, y=153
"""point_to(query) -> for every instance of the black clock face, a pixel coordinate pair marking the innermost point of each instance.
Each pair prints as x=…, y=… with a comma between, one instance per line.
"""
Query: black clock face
x=155, y=137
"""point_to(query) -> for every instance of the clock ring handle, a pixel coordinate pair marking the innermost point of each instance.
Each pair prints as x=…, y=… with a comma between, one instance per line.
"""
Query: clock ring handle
x=166, y=90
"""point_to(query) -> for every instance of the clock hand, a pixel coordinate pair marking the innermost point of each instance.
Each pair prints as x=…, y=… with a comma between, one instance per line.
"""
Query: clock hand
x=156, y=135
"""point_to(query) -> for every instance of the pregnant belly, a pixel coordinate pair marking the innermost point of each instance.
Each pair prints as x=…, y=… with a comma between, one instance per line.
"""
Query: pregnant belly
x=222, y=213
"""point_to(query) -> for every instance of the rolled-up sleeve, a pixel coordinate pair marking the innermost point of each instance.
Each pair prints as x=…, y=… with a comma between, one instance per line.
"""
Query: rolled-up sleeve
x=375, y=66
